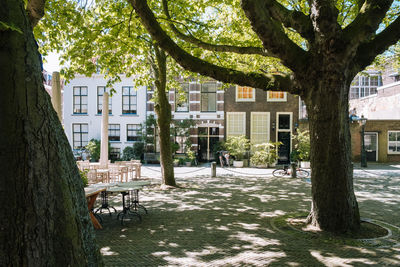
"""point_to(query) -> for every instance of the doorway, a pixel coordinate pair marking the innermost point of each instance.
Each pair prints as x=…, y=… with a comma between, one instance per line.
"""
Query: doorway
x=371, y=146
x=207, y=141
x=284, y=129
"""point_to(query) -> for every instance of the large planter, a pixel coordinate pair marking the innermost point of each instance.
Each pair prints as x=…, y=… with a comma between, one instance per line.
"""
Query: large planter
x=305, y=164
x=188, y=164
x=238, y=164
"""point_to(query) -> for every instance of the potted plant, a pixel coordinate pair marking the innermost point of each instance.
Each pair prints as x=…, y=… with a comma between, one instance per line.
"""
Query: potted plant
x=176, y=162
x=302, y=146
x=237, y=147
x=190, y=157
x=265, y=154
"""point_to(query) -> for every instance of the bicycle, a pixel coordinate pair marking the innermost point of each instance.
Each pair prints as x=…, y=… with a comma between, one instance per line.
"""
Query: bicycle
x=285, y=172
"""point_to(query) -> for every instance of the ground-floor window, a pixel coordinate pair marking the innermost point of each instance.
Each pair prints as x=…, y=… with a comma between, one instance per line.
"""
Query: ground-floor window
x=259, y=124
x=115, y=153
x=133, y=132
x=235, y=123
x=80, y=135
x=113, y=132
x=394, y=142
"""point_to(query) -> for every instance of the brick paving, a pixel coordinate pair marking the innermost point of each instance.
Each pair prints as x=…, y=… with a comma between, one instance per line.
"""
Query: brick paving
x=230, y=220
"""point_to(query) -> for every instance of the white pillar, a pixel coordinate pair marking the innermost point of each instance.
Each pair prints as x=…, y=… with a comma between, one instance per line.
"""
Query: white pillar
x=56, y=93
x=104, y=133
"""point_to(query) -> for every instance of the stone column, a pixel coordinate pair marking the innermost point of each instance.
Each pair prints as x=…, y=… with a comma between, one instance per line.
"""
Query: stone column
x=56, y=93
x=104, y=133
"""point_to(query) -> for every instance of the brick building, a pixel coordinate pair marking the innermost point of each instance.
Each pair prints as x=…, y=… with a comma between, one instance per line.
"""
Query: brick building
x=262, y=116
x=382, y=130
x=204, y=104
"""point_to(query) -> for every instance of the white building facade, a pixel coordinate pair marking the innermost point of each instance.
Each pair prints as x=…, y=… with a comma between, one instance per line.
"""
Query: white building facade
x=82, y=110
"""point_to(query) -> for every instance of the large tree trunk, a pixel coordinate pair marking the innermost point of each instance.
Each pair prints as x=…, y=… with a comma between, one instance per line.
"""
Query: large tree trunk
x=334, y=205
x=163, y=111
x=44, y=220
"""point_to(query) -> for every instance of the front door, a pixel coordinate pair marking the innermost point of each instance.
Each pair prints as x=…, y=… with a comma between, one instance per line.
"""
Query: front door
x=207, y=141
x=284, y=129
x=371, y=146
x=284, y=149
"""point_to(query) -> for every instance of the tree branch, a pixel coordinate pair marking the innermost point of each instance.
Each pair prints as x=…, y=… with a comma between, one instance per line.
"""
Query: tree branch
x=35, y=11
x=213, y=47
x=291, y=19
x=194, y=64
x=369, y=50
x=367, y=21
x=273, y=36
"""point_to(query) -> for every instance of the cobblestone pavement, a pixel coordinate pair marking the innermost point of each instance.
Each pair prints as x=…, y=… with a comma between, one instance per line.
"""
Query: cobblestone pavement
x=231, y=220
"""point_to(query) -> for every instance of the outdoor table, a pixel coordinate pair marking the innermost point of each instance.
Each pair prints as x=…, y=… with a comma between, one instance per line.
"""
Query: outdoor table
x=91, y=194
x=126, y=206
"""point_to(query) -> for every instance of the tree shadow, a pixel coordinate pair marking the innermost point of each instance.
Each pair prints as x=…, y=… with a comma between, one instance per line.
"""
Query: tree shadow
x=228, y=221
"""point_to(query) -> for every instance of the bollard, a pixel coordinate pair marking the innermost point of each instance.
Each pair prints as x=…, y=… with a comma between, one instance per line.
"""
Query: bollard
x=293, y=169
x=213, y=169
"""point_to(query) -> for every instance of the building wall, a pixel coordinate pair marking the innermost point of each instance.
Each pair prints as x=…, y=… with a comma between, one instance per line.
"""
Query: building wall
x=262, y=105
x=381, y=127
x=92, y=118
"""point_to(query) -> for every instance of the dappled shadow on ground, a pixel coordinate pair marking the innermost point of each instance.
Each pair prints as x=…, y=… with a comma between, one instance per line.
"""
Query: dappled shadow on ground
x=227, y=221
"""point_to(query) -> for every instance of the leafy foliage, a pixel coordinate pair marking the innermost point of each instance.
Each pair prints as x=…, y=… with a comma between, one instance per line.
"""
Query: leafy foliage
x=302, y=144
x=128, y=153
x=93, y=147
x=265, y=153
x=237, y=146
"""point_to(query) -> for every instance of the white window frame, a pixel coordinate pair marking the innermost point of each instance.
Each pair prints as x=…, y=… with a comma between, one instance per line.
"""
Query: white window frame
x=237, y=99
x=228, y=114
x=252, y=115
x=284, y=99
x=397, y=143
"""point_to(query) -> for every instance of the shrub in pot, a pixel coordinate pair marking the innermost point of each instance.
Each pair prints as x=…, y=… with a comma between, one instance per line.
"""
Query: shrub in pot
x=237, y=146
x=303, y=147
x=265, y=154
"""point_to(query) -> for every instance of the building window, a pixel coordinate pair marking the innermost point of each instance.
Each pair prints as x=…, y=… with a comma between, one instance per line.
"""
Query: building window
x=115, y=153
x=182, y=98
x=129, y=100
x=113, y=132
x=79, y=135
x=235, y=123
x=259, y=132
x=394, y=142
x=80, y=99
x=133, y=132
x=363, y=86
x=100, y=92
x=302, y=110
x=245, y=93
x=276, y=96
x=209, y=97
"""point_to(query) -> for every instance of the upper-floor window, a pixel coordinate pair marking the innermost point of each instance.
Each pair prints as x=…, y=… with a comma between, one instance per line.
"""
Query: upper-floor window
x=209, y=96
x=182, y=98
x=394, y=142
x=129, y=100
x=114, y=132
x=100, y=93
x=80, y=99
x=245, y=93
x=133, y=132
x=363, y=86
x=276, y=96
x=79, y=135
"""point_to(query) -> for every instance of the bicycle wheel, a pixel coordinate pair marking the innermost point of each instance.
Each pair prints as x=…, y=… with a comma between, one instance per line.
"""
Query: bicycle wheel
x=302, y=173
x=280, y=173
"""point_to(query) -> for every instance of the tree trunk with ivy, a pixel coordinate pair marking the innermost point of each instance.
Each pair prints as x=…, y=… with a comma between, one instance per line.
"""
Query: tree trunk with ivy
x=45, y=219
x=163, y=111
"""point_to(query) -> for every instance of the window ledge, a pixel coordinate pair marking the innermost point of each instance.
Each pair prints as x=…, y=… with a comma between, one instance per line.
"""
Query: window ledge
x=79, y=114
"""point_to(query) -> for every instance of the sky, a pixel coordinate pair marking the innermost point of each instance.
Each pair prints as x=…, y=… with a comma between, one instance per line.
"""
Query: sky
x=52, y=63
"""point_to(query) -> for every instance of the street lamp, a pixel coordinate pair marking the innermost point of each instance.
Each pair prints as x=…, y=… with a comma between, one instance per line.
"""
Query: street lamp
x=362, y=122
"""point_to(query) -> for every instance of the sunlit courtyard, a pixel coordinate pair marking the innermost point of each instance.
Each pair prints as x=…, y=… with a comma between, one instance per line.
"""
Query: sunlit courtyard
x=235, y=219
